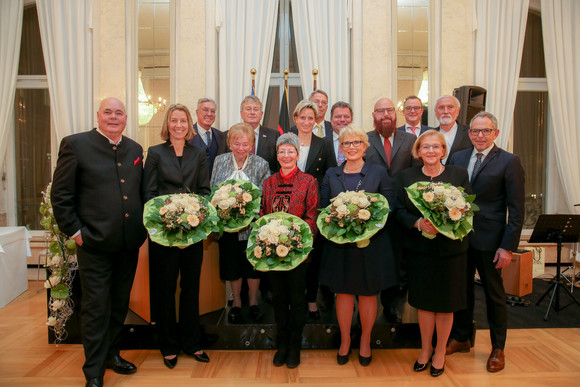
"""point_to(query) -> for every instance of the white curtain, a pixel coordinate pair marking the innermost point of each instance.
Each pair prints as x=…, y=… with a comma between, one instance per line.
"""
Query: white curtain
x=322, y=32
x=561, y=33
x=246, y=33
x=66, y=33
x=11, y=27
x=499, y=42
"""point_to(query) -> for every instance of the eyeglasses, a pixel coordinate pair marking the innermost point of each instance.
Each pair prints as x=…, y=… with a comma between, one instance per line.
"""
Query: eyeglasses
x=486, y=132
x=287, y=153
x=320, y=102
x=434, y=147
x=382, y=111
x=413, y=108
x=208, y=111
x=347, y=144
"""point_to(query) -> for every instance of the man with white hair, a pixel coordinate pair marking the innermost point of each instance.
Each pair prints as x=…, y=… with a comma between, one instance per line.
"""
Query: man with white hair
x=456, y=136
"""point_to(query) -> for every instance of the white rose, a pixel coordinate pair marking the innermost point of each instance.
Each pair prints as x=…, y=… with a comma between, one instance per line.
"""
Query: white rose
x=450, y=203
x=438, y=190
x=342, y=210
x=460, y=202
x=57, y=304
x=52, y=321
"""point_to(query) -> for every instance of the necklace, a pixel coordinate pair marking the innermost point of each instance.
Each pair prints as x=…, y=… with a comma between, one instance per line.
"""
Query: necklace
x=353, y=170
x=437, y=174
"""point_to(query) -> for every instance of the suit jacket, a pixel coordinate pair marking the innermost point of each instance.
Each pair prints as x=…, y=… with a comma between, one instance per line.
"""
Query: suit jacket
x=320, y=158
x=401, y=157
x=96, y=188
x=461, y=141
x=327, y=130
x=424, y=128
x=499, y=188
x=267, y=147
x=217, y=145
x=163, y=174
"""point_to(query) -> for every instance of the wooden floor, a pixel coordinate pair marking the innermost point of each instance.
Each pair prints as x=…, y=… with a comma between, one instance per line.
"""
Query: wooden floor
x=544, y=357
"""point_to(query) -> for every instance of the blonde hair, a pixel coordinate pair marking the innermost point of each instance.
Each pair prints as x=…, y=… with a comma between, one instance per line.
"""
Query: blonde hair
x=422, y=137
x=355, y=131
x=239, y=130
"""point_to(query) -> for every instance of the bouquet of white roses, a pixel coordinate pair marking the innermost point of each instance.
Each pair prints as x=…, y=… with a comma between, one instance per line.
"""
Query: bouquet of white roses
x=237, y=202
x=179, y=219
x=449, y=208
x=279, y=241
x=353, y=216
x=61, y=262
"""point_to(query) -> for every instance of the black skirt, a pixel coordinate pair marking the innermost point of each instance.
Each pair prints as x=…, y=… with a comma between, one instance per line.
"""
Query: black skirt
x=233, y=262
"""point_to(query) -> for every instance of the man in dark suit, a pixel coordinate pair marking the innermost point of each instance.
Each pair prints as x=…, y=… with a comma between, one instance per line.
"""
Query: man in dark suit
x=497, y=180
x=96, y=198
x=208, y=138
x=322, y=128
x=456, y=136
x=413, y=111
x=265, y=147
x=391, y=148
x=340, y=116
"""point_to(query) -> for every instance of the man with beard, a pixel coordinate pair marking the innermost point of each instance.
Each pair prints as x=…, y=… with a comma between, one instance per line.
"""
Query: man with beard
x=456, y=136
x=391, y=148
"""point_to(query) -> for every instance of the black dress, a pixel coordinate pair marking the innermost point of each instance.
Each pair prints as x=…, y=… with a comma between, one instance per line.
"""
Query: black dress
x=347, y=269
x=436, y=267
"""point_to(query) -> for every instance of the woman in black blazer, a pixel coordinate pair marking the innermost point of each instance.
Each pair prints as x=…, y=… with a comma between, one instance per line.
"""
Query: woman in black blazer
x=316, y=156
x=176, y=167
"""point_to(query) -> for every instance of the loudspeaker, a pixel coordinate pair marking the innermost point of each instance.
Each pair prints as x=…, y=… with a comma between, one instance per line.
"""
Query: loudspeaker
x=472, y=99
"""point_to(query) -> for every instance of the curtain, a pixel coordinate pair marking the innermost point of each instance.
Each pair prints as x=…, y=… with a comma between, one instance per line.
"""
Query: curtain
x=562, y=55
x=246, y=36
x=11, y=26
x=499, y=42
x=322, y=29
x=65, y=29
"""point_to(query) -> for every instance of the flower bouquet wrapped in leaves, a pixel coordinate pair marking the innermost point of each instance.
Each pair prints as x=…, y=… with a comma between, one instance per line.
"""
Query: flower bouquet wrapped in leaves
x=179, y=220
x=353, y=216
x=449, y=208
x=237, y=203
x=279, y=241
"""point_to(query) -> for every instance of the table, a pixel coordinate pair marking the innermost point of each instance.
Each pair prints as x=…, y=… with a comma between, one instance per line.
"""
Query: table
x=14, y=249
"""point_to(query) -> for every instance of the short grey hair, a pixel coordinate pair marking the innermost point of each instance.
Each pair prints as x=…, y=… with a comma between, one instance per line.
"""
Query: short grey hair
x=483, y=114
x=289, y=139
x=202, y=100
x=318, y=91
x=457, y=103
x=250, y=98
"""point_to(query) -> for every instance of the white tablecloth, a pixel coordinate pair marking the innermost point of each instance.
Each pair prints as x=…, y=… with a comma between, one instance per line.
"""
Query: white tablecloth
x=14, y=248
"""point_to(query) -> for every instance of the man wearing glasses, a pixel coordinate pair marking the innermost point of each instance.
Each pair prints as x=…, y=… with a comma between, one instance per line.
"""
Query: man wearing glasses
x=391, y=148
x=413, y=111
x=208, y=137
x=497, y=180
x=447, y=110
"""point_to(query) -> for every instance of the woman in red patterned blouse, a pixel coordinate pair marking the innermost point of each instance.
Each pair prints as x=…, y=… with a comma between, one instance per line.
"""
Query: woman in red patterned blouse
x=296, y=193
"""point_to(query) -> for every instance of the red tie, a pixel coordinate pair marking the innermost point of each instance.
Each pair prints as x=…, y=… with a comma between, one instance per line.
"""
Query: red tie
x=388, y=150
x=413, y=128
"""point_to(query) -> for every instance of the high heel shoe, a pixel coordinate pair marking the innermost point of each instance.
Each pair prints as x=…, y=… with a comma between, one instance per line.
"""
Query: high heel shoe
x=342, y=359
x=418, y=367
x=365, y=361
x=436, y=371
x=170, y=363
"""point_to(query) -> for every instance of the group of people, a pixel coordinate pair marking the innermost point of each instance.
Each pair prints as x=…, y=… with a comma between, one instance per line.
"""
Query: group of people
x=100, y=185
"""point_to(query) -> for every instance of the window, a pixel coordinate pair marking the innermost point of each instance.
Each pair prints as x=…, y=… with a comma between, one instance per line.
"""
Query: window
x=284, y=58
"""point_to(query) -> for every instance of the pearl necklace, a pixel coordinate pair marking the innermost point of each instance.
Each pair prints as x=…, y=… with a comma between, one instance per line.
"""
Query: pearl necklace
x=438, y=173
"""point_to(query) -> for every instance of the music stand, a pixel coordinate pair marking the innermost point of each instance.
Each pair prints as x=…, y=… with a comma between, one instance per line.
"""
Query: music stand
x=559, y=229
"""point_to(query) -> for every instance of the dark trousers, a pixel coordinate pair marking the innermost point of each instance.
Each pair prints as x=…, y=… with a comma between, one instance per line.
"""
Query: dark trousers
x=494, y=298
x=106, y=281
x=165, y=265
x=312, y=274
x=289, y=302
x=392, y=297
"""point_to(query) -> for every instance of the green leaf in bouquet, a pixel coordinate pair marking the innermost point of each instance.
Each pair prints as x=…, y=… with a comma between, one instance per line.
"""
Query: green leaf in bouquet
x=60, y=291
x=54, y=247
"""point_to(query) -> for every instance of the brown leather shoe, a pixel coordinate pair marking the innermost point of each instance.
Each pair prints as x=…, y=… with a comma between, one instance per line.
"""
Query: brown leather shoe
x=457, y=346
x=496, y=360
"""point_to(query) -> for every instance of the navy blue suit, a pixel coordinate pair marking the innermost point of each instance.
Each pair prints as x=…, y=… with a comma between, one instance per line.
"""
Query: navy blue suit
x=216, y=147
x=424, y=128
x=499, y=188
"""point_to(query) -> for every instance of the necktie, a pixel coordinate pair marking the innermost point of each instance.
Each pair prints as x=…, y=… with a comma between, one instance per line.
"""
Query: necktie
x=320, y=132
x=388, y=151
x=340, y=159
x=207, y=139
x=413, y=129
x=476, y=165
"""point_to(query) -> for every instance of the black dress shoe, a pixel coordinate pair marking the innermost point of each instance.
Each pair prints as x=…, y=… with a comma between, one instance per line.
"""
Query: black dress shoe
x=314, y=315
x=293, y=358
x=202, y=357
x=365, y=361
x=120, y=366
x=94, y=382
x=235, y=315
x=170, y=363
x=342, y=359
x=255, y=313
x=436, y=371
x=280, y=357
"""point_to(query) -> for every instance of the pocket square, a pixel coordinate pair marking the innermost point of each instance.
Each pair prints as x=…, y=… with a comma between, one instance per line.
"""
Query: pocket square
x=137, y=161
